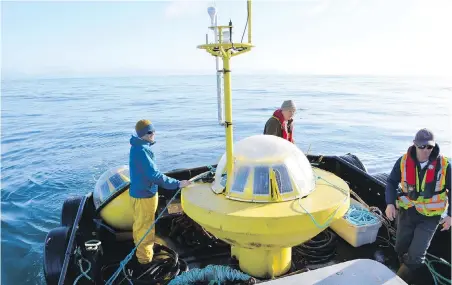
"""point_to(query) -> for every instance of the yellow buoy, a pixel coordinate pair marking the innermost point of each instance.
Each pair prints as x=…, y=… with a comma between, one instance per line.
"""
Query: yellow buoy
x=277, y=201
x=111, y=198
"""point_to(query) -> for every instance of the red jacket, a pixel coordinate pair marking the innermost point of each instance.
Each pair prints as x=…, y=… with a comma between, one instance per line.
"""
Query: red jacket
x=286, y=127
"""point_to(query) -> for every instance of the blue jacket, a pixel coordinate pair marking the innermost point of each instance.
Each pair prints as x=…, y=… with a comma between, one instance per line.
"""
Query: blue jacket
x=145, y=177
x=395, y=177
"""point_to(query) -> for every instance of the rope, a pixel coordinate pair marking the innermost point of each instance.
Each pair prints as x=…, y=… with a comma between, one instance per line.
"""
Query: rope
x=383, y=219
x=331, y=216
x=437, y=278
x=319, y=249
x=165, y=265
x=359, y=216
x=84, y=273
x=122, y=264
x=214, y=274
x=189, y=233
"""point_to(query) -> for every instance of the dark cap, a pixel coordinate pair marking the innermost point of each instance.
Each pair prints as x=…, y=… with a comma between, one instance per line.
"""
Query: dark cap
x=424, y=137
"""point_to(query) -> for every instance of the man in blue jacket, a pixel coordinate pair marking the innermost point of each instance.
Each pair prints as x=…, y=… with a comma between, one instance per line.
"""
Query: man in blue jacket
x=423, y=200
x=145, y=178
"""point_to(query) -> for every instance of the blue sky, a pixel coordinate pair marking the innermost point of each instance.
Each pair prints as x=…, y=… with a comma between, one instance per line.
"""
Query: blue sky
x=370, y=37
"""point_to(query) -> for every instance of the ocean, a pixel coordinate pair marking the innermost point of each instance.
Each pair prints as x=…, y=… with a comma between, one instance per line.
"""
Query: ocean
x=59, y=135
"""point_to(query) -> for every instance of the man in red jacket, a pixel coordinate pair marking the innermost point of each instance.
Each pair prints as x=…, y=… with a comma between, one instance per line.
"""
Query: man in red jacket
x=281, y=123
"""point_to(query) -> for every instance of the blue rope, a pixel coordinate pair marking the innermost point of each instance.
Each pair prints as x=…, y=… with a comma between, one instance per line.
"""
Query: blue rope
x=211, y=169
x=216, y=274
x=331, y=216
x=84, y=272
x=123, y=263
x=359, y=216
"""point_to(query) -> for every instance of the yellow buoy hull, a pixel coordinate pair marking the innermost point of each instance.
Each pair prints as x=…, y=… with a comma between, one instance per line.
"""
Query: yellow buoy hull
x=118, y=213
x=262, y=234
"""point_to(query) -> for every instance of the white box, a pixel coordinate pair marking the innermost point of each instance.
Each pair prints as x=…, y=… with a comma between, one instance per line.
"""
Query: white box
x=356, y=235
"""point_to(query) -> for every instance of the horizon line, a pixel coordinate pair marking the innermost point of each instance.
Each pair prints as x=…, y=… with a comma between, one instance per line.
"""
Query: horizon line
x=13, y=77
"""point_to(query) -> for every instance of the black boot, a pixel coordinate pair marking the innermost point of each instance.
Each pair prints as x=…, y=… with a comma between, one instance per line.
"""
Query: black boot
x=405, y=273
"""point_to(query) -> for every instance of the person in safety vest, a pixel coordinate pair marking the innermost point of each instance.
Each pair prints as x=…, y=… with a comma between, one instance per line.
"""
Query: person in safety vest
x=281, y=123
x=145, y=178
x=423, y=200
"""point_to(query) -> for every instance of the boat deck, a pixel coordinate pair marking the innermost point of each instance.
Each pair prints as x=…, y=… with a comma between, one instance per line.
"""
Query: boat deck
x=198, y=250
x=187, y=245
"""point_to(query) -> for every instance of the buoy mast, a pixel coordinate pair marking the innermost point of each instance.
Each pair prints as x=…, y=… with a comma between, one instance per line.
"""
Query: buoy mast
x=225, y=48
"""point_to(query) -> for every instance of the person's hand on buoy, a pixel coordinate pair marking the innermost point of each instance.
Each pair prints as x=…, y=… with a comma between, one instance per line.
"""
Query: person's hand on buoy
x=184, y=183
x=446, y=223
x=391, y=212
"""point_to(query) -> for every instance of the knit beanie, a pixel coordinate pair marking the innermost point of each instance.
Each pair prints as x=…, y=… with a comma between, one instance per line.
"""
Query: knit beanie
x=142, y=127
x=288, y=105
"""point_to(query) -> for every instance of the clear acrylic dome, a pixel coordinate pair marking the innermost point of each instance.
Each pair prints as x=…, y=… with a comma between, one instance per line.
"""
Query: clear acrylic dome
x=266, y=169
x=109, y=183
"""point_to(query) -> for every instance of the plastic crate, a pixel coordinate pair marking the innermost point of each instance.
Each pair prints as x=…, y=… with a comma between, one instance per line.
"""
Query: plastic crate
x=356, y=235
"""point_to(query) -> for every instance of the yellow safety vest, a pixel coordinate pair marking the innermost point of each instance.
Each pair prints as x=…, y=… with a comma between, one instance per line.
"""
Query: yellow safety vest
x=433, y=206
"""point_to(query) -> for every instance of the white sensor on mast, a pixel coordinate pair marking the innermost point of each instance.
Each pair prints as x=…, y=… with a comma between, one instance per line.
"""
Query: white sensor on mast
x=212, y=13
x=213, y=19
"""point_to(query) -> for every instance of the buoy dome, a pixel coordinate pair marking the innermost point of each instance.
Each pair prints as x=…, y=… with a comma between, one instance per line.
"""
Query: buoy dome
x=111, y=194
x=266, y=169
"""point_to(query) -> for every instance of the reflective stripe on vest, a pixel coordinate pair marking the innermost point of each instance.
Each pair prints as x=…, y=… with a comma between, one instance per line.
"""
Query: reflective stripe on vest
x=427, y=206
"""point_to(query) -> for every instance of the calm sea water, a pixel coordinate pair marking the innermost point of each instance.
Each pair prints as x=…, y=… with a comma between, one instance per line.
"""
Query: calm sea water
x=59, y=135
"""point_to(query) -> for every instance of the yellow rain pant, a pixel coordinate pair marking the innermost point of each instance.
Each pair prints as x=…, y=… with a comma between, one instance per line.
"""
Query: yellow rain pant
x=143, y=217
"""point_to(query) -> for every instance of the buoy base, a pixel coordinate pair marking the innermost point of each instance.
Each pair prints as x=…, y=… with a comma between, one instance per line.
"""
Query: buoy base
x=263, y=263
